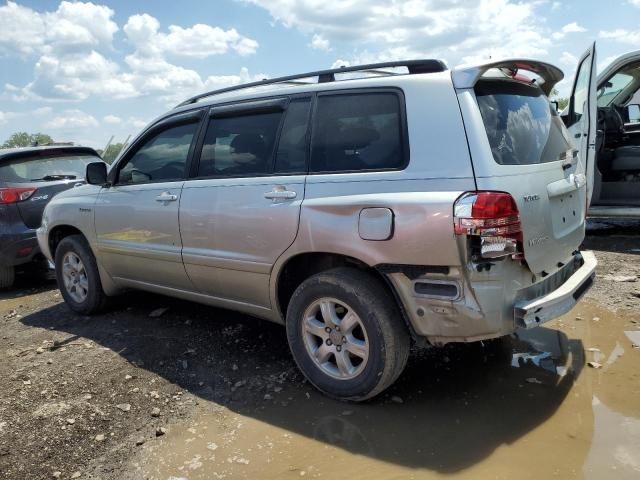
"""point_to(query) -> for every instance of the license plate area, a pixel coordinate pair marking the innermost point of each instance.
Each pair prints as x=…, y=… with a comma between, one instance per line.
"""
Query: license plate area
x=566, y=213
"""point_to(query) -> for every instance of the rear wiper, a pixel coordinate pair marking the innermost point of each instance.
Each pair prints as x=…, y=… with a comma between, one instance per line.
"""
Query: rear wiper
x=48, y=178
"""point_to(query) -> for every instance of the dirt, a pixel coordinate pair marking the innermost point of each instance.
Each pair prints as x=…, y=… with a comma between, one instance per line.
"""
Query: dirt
x=199, y=393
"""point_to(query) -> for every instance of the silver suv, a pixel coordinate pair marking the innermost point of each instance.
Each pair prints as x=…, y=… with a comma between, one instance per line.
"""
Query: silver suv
x=405, y=201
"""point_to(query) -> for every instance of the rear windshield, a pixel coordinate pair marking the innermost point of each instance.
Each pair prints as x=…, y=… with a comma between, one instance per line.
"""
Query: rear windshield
x=522, y=126
x=43, y=169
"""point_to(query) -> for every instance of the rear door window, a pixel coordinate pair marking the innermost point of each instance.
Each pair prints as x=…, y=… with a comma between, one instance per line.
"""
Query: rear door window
x=240, y=146
x=522, y=126
x=358, y=131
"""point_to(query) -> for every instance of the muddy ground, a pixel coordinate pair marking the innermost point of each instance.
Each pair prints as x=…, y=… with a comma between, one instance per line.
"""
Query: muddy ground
x=204, y=393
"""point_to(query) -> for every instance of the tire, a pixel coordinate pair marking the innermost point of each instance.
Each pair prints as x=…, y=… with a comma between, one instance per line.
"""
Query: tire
x=86, y=296
x=7, y=277
x=373, y=353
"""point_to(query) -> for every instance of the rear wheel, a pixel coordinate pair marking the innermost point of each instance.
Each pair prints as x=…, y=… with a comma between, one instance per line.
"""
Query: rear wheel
x=78, y=276
x=346, y=334
x=7, y=277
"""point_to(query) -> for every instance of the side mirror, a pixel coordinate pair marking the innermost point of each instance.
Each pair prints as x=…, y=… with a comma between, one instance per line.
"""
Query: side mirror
x=96, y=173
x=633, y=113
x=555, y=105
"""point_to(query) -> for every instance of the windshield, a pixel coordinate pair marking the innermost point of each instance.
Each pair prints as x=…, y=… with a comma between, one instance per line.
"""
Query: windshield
x=522, y=126
x=33, y=169
x=611, y=88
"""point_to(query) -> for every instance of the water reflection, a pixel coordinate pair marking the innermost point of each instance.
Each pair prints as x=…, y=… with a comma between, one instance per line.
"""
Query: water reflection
x=615, y=450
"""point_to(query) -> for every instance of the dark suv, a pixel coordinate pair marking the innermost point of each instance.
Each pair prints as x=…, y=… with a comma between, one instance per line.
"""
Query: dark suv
x=29, y=178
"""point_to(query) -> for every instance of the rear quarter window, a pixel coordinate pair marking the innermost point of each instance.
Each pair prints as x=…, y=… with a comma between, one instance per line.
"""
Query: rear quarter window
x=358, y=131
x=522, y=126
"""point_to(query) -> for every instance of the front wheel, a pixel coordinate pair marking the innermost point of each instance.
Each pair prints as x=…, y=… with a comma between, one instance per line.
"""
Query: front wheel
x=346, y=334
x=78, y=276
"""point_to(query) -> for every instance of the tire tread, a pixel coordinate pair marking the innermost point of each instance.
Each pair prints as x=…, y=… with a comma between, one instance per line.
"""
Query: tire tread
x=7, y=277
x=79, y=245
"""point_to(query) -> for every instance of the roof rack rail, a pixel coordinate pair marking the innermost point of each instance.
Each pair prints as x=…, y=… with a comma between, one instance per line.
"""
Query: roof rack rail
x=324, y=76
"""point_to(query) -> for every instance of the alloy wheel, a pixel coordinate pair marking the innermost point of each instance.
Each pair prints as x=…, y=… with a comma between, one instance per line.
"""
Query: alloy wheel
x=74, y=277
x=335, y=338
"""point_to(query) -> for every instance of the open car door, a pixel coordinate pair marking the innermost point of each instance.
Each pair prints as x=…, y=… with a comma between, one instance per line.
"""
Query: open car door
x=581, y=119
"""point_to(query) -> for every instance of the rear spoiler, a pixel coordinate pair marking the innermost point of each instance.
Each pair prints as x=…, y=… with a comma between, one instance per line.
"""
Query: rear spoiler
x=466, y=76
x=27, y=152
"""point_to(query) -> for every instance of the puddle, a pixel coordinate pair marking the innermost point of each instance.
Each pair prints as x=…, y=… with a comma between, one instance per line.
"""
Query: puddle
x=634, y=338
x=615, y=450
x=529, y=408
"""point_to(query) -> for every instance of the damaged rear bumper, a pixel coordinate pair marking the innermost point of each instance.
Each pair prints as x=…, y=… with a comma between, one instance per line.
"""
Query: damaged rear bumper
x=469, y=306
x=533, y=312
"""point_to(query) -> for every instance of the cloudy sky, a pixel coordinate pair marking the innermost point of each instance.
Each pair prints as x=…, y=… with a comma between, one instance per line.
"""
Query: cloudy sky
x=86, y=71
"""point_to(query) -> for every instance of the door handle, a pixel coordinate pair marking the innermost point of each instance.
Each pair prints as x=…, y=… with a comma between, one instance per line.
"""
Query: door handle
x=280, y=193
x=166, y=197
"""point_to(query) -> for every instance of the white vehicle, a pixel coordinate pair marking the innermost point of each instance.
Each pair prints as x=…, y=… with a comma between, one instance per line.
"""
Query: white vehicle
x=608, y=136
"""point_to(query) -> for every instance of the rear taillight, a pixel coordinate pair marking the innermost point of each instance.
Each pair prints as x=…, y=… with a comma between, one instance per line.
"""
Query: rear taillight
x=492, y=218
x=14, y=195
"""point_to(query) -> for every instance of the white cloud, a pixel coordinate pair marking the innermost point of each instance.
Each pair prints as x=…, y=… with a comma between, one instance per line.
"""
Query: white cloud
x=71, y=43
x=5, y=117
x=214, y=82
x=81, y=24
x=77, y=76
x=152, y=74
x=71, y=119
x=467, y=31
x=622, y=35
x=199, y=41
x=635, y=3
x=569, y=60
x=137, y=123
x=318, y=42
x=204, y=40
x=606, y=61
x=111, y=119
x=572, y=27
x=73, y=25
x=22, y=29
x=38, y=113
x=43, y=111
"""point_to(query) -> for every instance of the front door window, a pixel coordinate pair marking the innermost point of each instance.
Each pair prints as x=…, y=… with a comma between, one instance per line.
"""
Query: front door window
x=160, y=158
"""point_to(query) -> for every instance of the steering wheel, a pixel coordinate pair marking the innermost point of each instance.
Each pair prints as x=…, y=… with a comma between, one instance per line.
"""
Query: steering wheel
x=170, y=168
x=602, y=129
x=612, y=122
x=175, y=164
